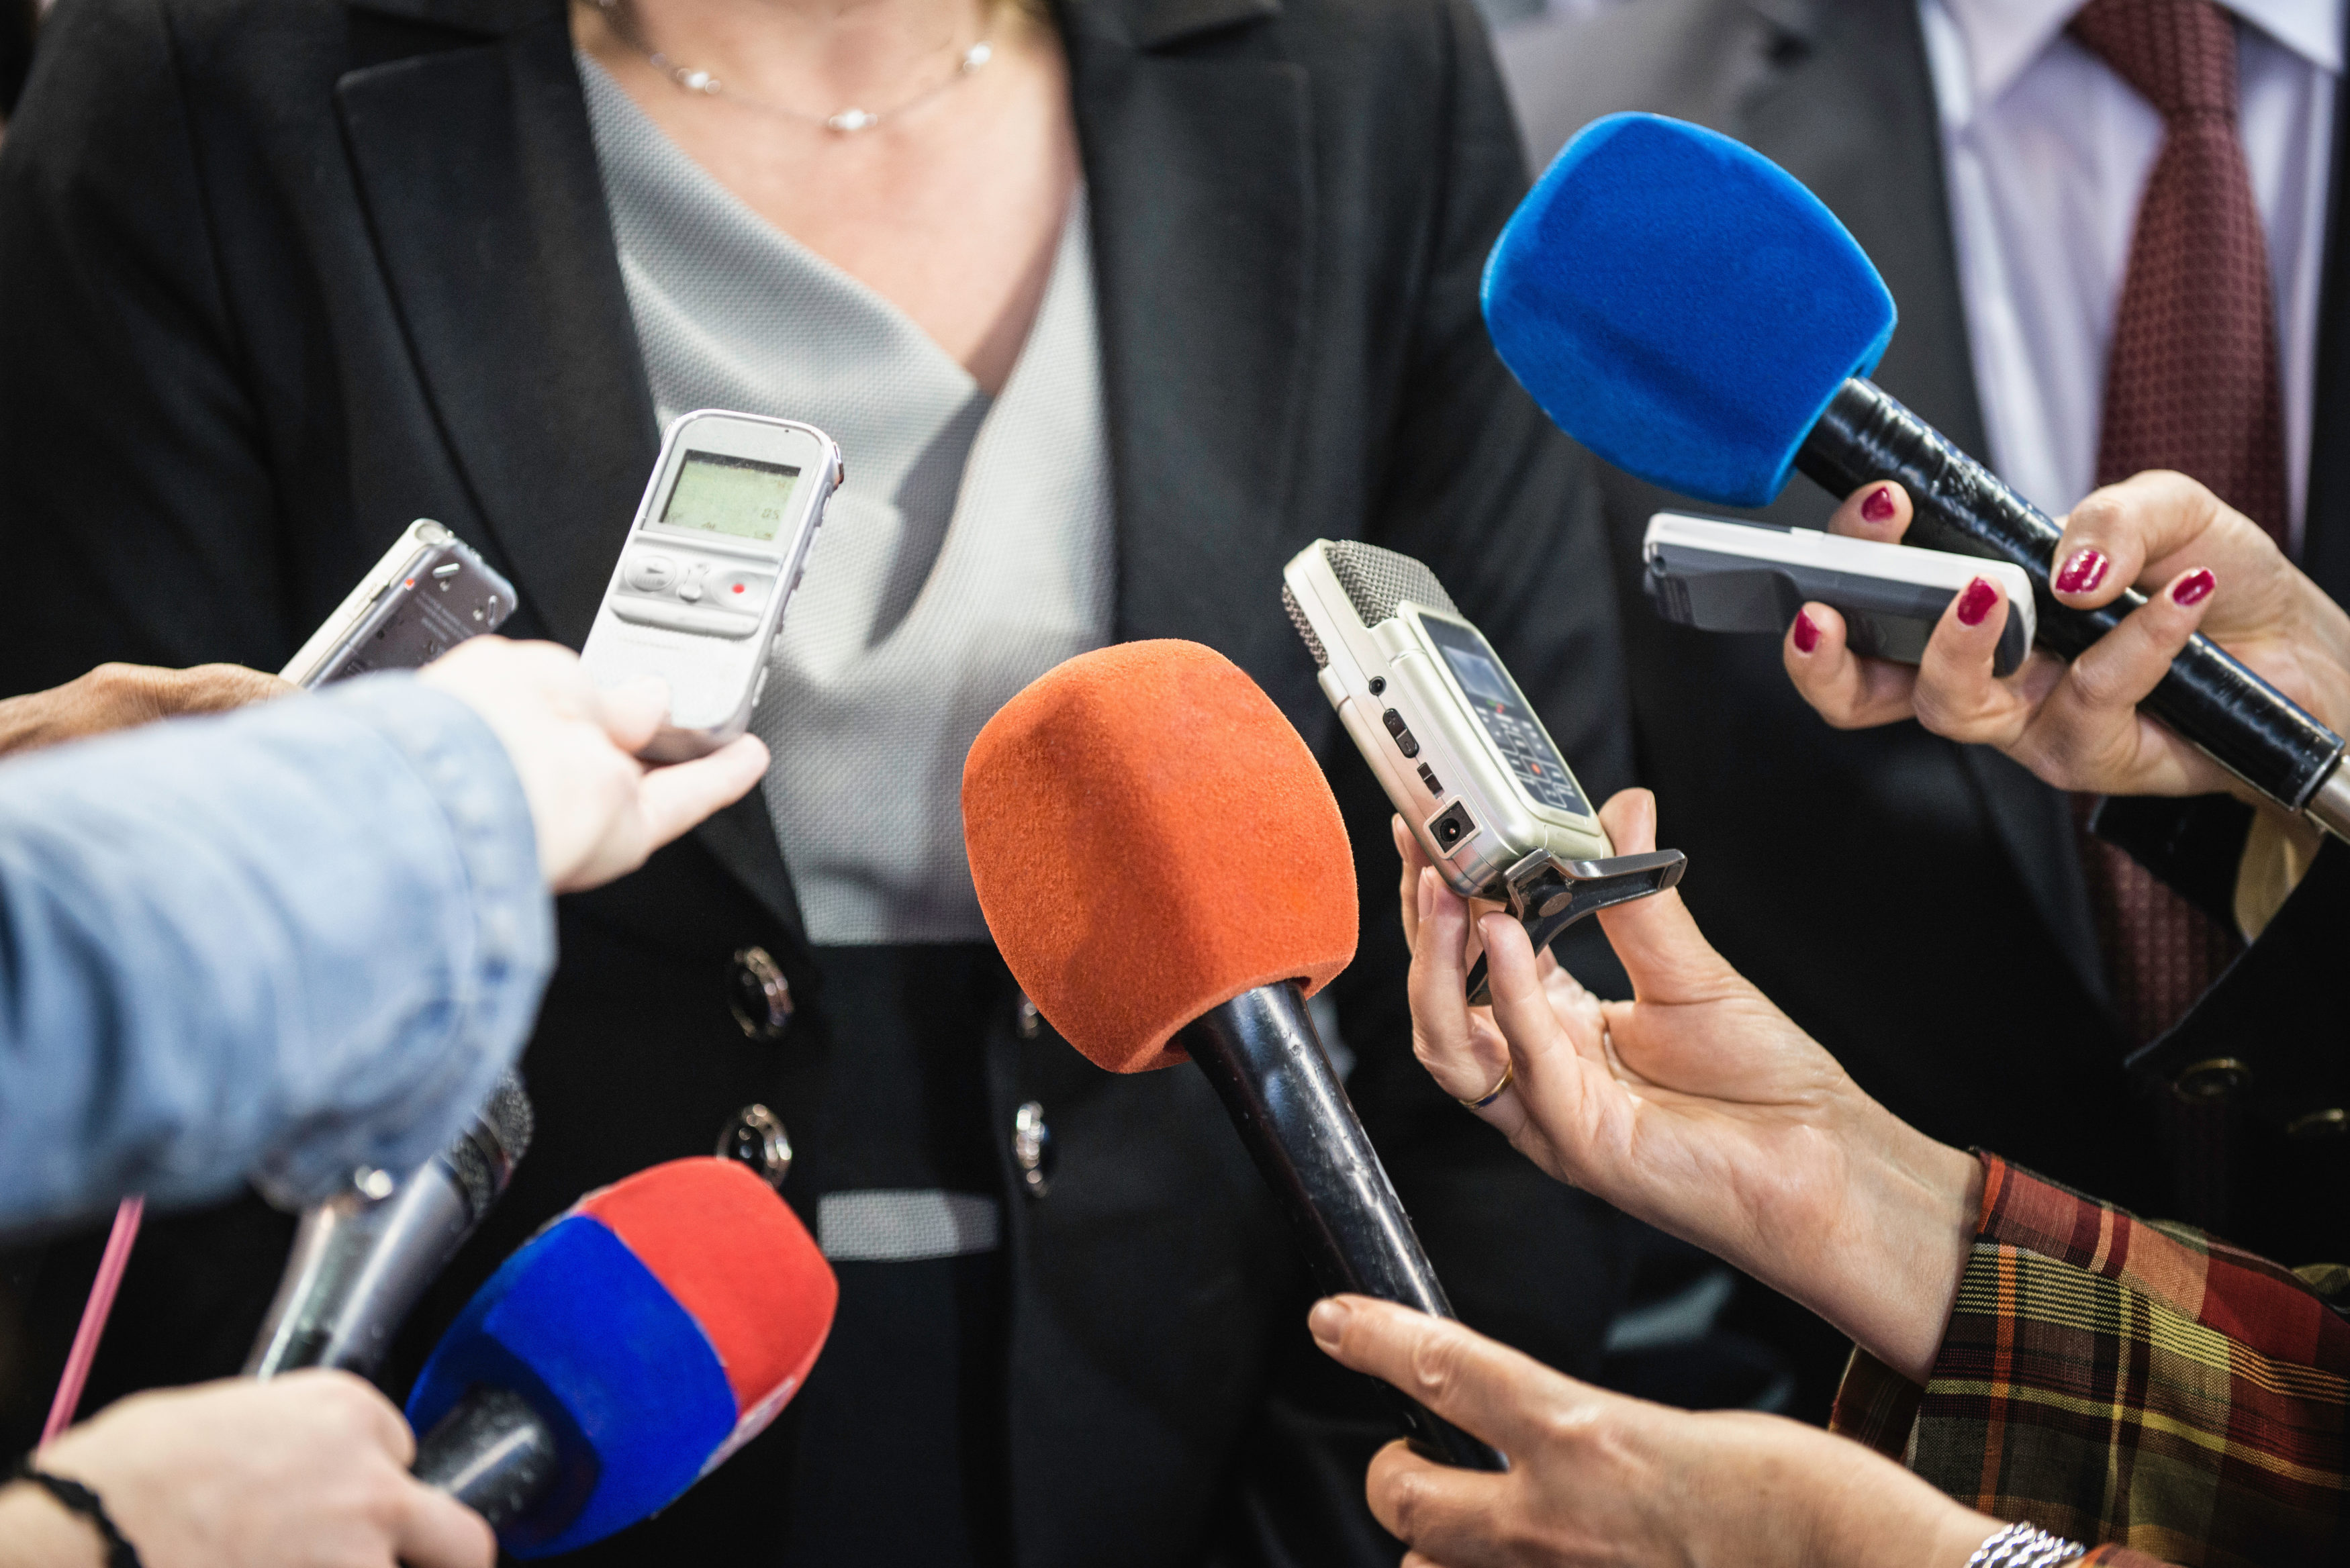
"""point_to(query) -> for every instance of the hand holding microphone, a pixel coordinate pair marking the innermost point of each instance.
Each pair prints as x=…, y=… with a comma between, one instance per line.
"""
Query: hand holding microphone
x=2203, y=567
x=1691, y=314
x=305, y=1470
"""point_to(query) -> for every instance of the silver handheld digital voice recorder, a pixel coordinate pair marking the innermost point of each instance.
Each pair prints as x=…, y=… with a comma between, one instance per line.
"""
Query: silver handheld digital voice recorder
x=712, y=556
x=1455, y=744
x=428, y=593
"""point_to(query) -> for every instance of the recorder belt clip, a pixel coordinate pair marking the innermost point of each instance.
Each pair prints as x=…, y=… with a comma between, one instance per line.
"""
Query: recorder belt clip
x=1547, y=895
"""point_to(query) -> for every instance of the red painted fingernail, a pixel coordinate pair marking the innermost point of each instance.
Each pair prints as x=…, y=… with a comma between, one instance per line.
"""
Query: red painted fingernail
x=2194, y=587
x=1807, y=633
x=2081, y=574
x=1878, y=505
x=1976, y=602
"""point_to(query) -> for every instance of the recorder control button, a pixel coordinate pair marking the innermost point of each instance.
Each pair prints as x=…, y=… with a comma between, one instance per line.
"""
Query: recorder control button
x=1403, y=737
x=652, y=574
x=689, y=592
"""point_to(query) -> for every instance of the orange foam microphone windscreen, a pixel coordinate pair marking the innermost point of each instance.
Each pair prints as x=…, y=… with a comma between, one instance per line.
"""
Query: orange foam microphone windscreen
x=1150, y=838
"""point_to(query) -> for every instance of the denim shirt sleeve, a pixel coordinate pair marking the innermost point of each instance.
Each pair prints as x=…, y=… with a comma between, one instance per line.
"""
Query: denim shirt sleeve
x=278, y=945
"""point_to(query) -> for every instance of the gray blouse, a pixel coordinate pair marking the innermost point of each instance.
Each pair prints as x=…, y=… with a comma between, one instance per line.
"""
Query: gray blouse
x=972, y=548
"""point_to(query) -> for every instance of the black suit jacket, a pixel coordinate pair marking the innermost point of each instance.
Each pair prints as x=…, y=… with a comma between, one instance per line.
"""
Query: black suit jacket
x=278, y=275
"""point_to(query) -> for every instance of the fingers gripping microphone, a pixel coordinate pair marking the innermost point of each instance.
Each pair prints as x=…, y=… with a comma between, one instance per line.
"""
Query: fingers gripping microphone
x=362, y=1259
x=1688, y=311
x=1165, y=874
x=622, y=1354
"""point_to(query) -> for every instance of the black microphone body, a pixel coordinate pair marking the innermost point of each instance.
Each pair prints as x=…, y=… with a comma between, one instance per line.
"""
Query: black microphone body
x=1261, y=1053
x=493, y=1452
x=360, y=1260
x=2242, y=721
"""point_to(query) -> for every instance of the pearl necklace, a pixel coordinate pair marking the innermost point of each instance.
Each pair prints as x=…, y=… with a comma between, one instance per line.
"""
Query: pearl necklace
x=846, y=121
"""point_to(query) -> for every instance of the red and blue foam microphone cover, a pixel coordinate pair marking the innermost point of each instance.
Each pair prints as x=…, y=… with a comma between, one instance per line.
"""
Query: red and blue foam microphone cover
x=657, y=1326
x=1151, y=838
x=1682, y=306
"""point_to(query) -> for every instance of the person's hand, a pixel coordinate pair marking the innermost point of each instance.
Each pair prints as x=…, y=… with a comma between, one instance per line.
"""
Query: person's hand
x=1698, y=1106
x=599, y=811
x=1595, y=1477
x=121, y=696
x=2202, y=566
x=307, y=1471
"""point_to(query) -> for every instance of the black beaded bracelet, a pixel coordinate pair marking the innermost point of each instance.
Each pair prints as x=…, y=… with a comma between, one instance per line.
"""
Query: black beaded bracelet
x=79, y=1501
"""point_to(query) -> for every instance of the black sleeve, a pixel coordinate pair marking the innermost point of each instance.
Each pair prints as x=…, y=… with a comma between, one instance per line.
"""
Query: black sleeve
x=1502, y=508
x=139, y=515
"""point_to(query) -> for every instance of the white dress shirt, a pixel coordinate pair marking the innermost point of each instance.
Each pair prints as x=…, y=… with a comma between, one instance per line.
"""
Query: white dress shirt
x=2047, y=152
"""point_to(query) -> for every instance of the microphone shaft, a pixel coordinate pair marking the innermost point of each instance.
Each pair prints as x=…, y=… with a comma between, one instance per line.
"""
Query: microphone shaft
x=2242, y=722
x=493, y=1453
x=359, y=1264
x=1260, y=1052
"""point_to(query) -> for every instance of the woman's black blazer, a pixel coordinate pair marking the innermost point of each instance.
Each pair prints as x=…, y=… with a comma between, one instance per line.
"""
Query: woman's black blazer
x=278, y=276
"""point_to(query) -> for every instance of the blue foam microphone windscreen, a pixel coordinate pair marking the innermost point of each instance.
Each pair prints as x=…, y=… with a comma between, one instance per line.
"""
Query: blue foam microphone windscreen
x=1682, y=306
x=633, y=1344
x=1685, y=309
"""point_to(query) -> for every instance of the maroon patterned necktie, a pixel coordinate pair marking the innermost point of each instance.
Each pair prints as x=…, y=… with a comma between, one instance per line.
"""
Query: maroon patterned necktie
x=2191, y=383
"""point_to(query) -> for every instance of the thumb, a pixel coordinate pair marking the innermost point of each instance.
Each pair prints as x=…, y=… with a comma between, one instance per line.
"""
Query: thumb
x=1663, y=953
x=632, y=711
x=1630, y=818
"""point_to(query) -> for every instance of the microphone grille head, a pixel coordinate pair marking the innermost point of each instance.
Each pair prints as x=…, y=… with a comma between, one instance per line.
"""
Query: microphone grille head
x=1151, y=838
x=484, y=1156
x=1682, y=306
x=1305, y=628
x=509, y=1118
x=1376, y=581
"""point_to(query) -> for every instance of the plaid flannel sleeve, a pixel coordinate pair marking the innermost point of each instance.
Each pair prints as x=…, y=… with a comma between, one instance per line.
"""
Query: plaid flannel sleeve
x=2129, y=1382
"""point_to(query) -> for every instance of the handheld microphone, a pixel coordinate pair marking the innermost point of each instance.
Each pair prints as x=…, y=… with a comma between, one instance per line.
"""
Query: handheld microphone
x=622, y=1354
x=362, y=1258
x=1165, y=874
x=1685, y=309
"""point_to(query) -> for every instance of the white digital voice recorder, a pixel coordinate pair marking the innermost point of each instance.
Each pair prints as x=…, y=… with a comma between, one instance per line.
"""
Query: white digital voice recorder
x=714, y=555
x=1721, y=576
x=1455, y=742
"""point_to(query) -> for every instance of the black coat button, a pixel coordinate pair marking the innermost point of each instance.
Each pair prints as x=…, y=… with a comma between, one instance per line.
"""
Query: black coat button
x=756, y=1137
x=1032, y=1148
x=760, y=995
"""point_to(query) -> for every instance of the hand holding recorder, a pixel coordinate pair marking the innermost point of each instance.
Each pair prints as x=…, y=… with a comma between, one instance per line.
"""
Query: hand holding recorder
x=2202, y=566
x=1698, y=1106
x=599, y=811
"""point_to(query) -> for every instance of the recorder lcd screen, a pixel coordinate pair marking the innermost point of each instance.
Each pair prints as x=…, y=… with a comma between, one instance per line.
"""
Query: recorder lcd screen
x=734, y=495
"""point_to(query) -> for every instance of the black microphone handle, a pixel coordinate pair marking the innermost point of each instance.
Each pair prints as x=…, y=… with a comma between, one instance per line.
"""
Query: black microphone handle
x=493, y=1453
x=2246, y=725
x=1260, y=1052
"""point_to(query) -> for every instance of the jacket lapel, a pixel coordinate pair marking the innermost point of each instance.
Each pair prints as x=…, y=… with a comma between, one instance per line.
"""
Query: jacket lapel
x=480, y=180
x=478, y=172
x=1852, y=116
x=1204, y=282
